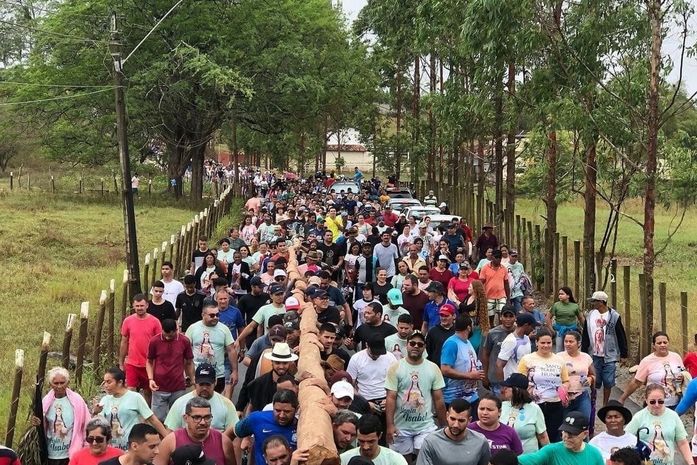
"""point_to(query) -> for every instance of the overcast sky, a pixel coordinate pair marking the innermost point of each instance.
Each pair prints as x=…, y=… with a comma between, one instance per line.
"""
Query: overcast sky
x=671, y=46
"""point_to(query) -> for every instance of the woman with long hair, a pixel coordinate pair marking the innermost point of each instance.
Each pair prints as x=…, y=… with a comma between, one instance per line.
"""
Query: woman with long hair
x=548, y=381
x=581, y=374
x=248, y=230
x=210, y=266
x=522, y=414
x=565, y=315
x=459, y=285
x=475, y=308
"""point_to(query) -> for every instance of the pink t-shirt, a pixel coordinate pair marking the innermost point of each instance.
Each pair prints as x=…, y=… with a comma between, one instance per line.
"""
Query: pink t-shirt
x=577, y=367
x=139, y=332
x=493, y=281
x=666, y=371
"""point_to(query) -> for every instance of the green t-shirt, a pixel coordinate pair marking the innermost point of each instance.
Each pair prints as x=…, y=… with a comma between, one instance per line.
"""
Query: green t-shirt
x=223, y=411
x=398, y=346
x=663, y=433
x=391, y=315
x=414, y=384
x=267, y=311
x=565, y=313
x=209, y=344
x=528, y=422
x=123, y=413
x=385, y=457
x=558, y=454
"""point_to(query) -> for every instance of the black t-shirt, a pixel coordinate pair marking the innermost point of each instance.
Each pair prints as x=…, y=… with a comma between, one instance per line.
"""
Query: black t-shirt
x=250, y=303
x=258, y=392
x=330, y=315
x=380, y=292
x=162, y=311
x=331, y=253
x=114, y=461
x=435, y=339
x=200, y=255
x=365, y=332
x=191, y=307
x=336, y=297
x=341, y=353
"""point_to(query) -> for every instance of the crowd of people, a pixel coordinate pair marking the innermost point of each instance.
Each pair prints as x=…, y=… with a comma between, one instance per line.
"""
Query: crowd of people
x=433, y=348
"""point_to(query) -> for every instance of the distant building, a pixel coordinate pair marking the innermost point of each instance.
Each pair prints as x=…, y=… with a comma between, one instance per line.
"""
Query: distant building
x=351, y=150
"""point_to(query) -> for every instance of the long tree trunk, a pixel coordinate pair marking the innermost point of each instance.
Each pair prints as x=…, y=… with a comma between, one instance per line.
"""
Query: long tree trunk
x=510, y=158
x=656, y=21
x=551, y=203
x=498, y=147
x=235, y=150
x=197, y=172
x=589, y=198
x=415, y=114
x=398, y=122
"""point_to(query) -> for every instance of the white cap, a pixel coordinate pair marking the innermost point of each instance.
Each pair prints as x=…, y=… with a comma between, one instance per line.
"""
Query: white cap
x=279, y=273
x=342, y=389
x=599, y=295
x=444, y=257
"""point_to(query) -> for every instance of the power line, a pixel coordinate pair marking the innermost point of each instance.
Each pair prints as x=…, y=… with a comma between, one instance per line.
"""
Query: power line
x=81, y=39
x=79, y=86
x=62, y=97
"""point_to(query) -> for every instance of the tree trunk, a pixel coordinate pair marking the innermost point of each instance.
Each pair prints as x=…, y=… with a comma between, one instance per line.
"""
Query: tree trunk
x=432, y=160
x=656, y=21
x=398, y=122
x=498, y=148
x=589, y=197
x=235, y=151
x=551, y=202
x=197, y=173
x=510, y=159
x=415, y=112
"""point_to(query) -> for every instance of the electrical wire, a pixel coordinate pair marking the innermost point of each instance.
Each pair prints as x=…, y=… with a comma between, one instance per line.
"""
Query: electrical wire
x=62, y=97
x=80, y=39
x=62, y=86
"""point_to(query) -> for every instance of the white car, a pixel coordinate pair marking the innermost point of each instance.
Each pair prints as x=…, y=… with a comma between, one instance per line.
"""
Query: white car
x=398, y=205
x=345, y=186
x=420, y=212
x=442, y=220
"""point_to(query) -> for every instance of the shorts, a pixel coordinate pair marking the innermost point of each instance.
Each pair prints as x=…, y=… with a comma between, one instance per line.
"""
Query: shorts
x=604, y=372
x=408, y=443
x=136, y=377
x=495, y=305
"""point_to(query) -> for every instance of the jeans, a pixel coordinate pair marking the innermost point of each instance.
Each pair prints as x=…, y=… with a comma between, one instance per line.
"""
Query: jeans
x=582, y=404
x=162, y=402
x=517, y=303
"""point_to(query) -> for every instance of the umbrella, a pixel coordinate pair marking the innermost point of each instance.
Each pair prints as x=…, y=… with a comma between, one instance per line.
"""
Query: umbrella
x=32, y=449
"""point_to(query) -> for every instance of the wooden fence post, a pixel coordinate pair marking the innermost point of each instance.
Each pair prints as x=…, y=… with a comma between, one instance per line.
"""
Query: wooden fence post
x=555, y=274
x=146, y=274
x=524, y=245
x=683, y=320
x=67, y=339
x=124, y=296
x=172, y=257
x=613, y=283
x=12, y=180
x=110, y=307
x=53, y=185
x=518, y=244
x=565, y=260
x=662, y=306
x=79, y=185
x=101, y=189
x=627, y=277
x=96, y=350
x=538, y=250
x=163, y=254
x=81, y=342
x=644, y=327
x=14, y=402
x=531, y=252
x=577, y=268
x=43, y=357
x=155, y=270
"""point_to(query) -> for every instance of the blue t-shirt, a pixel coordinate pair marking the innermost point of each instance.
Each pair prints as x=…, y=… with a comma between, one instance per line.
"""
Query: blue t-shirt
x=262, y=425
x=232, y=318
x=431, y=316
x=460, y=355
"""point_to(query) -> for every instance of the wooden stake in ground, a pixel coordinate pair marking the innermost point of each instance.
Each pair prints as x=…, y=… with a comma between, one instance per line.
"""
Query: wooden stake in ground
x=124, y=296
x=110, y=318
x=43, y=358
x=14, y=400
x=67, y=339
x=96, y=350
x=81, y=341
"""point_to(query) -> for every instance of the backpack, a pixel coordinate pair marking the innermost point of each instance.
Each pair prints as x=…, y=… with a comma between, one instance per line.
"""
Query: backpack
x=525, y=284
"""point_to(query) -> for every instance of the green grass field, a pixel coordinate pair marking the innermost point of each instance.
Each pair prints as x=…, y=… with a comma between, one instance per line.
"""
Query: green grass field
x=672, y=266
x=57, y=252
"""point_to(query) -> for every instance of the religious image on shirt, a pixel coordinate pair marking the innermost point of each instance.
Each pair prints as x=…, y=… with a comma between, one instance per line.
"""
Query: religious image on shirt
x=205, y=349
x=514, y=415
x=397, y=352
x=59, y=428
x=414, y=404
x=115, y=422
x=599, y=336
x=660, y=451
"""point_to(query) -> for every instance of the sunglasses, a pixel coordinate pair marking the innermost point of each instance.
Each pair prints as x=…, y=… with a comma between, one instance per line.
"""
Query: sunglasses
x=93, y=439
x=416, y=344
x=657, y=401
x=280, y=278
x=214, y=315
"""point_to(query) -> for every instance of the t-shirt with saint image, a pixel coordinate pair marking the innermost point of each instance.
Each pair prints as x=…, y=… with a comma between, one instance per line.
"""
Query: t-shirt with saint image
x=545, y=375
x=209, y=344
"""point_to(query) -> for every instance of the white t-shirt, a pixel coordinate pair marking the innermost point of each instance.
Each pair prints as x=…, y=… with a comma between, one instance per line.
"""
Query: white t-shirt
x=608, y=444
x=172, y=290
x=597, y=322
x=370, y=374
x=512, y=350
x=358, y=306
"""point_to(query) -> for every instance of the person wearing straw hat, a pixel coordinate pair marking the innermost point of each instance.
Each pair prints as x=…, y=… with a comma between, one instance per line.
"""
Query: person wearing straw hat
x=615, y=416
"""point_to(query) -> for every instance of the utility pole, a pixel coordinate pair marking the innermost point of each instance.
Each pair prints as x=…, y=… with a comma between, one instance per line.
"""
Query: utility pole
x=129, y=216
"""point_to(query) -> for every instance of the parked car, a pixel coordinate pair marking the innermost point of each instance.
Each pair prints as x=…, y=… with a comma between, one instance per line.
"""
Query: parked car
x=442, y=220
x=399, y=193
x=421, y=212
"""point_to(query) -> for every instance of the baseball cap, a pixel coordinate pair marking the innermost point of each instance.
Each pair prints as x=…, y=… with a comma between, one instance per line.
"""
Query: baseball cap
x=416, y=334
x=507, y=309
x=599, y=295
x=525, y=318
x=574, y=423
x=279, y=273
x=292, y=303
x=256, y=281
x=342, y=389
x=278, y=332
x=190, y=454
x=275, y=289
x=444, y=257
x=376, y=344
x=205, y=373
x=395, y=297
x=447, y=309
x=517, y=380
x=513, y=252
x=318, y=293
x=422, y=225
x=465, y=265
x=435, y=286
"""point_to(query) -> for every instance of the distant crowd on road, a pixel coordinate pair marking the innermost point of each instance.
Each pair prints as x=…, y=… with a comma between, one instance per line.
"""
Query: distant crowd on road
x=433, y=348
